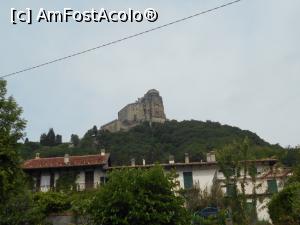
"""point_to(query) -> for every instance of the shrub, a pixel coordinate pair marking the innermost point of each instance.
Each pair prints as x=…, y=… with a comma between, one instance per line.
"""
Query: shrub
x=138, y=196
x=284, y=207
x=52, y=202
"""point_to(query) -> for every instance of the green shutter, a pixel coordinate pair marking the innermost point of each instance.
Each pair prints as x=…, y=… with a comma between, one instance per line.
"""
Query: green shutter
x=249, y=207
x=230, y=190
x=188, y=180
x=272, y=186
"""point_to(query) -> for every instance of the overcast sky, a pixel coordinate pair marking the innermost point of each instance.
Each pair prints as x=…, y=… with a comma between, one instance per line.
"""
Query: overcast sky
x=239, y=66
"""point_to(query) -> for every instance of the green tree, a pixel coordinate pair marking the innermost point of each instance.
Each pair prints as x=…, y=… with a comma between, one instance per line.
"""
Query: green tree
x=137, y=196
x=95, y=130
x=75, y=140
x=296, y=175
x=16, y=205
x=11, y=130
x=58, y=139
x=43, y=139
x=198, y=199
x=67, y=182
x=284, y=207
x=51, y=137
x=26, y=141
x=234, y=164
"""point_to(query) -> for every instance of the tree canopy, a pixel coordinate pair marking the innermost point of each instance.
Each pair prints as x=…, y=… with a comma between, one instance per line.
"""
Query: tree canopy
x=138, y=196
x=15, y=200
x=284, y=207
x=50, y=139
x=155, y=143
x=11, y=130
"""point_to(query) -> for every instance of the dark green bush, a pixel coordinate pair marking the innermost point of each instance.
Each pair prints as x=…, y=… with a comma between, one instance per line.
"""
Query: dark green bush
x=137, y=196
x=52, y=202
x=284, y=207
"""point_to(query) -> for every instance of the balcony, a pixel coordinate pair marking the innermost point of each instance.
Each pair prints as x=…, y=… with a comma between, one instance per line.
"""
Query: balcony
x=79, y=187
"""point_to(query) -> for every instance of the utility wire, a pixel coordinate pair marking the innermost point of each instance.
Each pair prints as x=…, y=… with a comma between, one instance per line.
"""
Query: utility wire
x=119, y=40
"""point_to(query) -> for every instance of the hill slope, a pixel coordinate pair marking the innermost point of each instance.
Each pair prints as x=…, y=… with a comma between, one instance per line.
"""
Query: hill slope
x=157, y=142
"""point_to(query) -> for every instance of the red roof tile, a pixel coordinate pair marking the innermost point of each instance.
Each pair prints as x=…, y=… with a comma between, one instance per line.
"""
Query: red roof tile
x=74, y=161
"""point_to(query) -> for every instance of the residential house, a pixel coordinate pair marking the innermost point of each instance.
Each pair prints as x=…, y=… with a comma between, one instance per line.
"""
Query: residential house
x=89, y=169
x=92, y=171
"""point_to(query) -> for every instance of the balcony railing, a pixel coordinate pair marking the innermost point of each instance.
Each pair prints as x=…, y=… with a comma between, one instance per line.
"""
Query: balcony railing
x=79, y=187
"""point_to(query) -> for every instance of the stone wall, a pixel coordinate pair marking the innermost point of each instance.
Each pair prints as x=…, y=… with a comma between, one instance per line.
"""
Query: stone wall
x=132, y=112
x=148, y=108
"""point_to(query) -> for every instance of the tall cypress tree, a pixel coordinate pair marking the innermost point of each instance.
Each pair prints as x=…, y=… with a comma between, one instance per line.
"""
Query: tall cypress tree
x=51, y=137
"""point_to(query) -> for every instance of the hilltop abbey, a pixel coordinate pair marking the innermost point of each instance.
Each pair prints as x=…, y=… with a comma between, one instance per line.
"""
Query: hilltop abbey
x=149, y=108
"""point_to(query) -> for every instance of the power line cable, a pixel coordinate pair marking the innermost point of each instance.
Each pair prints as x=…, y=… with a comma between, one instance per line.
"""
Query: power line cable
x=119, y=40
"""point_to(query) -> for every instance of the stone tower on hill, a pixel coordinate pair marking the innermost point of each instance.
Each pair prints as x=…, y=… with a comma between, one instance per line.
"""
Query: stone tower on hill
x=148, y=108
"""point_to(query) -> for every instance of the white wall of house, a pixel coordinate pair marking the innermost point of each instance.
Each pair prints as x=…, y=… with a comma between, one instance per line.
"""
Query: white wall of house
x=262, y=188
x=202, y=176
x=262, y=210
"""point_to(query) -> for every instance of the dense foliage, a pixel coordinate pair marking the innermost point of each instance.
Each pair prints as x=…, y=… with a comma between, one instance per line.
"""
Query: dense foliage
x=50, y=139
x=11, y=176
x=198, y=199
x=284, y=207
x=234, y=164
x=51, y=202
x=138, y=196
x=155, y=143
x=11, y=127
x=67, y=181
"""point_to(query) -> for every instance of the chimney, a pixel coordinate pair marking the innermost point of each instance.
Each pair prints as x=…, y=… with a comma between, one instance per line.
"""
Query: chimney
x=186, y=158
x=210, y=157
x=66, y=159
x=37, y=155
x=132, y=162
x=102, y=152
x=171, y=159
x=144, y=162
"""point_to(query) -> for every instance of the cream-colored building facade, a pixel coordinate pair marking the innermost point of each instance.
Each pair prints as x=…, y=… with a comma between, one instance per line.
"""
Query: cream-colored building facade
x=92, y=171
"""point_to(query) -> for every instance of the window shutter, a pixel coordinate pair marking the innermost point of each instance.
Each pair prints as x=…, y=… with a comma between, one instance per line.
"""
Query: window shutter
x=230, y=190
x=188, y=180
x=272, y=186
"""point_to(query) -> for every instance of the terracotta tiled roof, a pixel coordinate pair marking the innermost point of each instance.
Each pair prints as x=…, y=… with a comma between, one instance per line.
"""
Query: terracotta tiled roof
x=57, y=162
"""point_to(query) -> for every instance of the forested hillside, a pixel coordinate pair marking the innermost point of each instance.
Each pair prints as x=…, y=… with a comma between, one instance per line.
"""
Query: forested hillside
x=157, y=142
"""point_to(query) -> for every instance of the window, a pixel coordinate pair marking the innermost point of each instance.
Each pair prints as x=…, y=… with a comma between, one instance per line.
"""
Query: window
x=52, y=176
x=188, y=180
x=251, y=209
x=89, y=179
x=103, y=180
x=45, y=181
x=38, y=182
x=272, y=186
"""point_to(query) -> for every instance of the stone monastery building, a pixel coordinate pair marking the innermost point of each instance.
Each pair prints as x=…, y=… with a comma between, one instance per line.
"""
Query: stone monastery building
x=149, y=108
